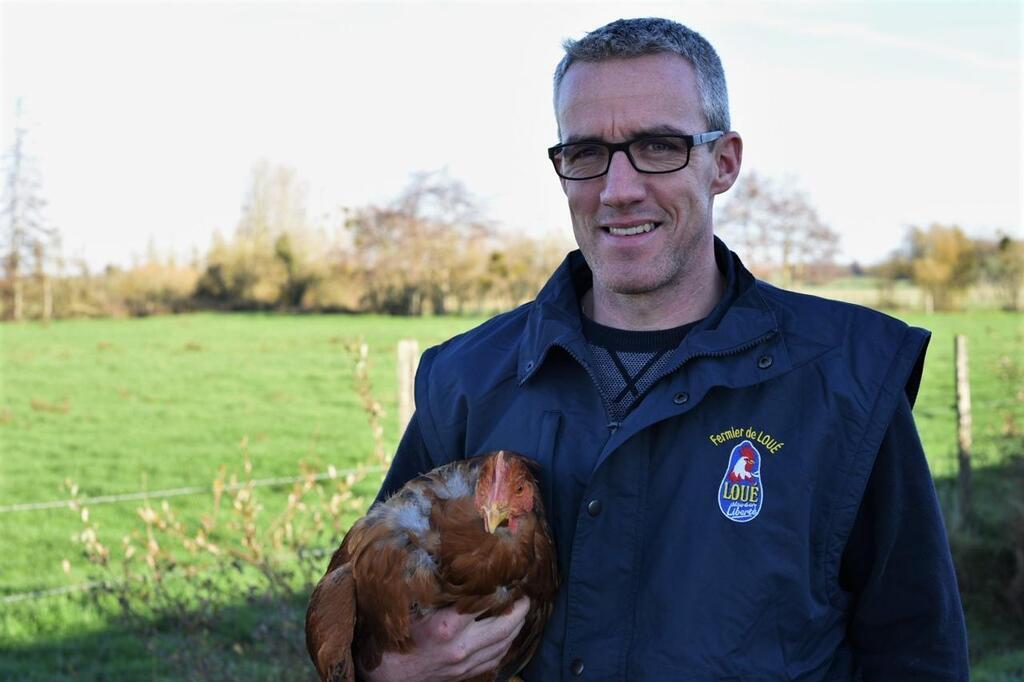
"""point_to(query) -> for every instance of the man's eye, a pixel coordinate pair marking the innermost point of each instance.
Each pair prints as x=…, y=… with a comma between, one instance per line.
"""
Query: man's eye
x=584, y=152
x=660, y=145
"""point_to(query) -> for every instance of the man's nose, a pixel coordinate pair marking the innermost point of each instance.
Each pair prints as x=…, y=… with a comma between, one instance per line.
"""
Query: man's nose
x=623, y=184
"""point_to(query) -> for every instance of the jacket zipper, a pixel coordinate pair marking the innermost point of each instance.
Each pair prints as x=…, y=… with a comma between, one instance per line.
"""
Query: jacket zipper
x=613, y=425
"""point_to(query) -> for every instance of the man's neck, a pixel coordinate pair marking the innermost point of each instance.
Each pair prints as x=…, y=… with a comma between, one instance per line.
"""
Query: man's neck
x=670, y=306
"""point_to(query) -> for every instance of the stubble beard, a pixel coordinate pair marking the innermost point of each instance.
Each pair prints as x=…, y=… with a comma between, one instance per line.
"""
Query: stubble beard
x=664, y=275
x=632, y=286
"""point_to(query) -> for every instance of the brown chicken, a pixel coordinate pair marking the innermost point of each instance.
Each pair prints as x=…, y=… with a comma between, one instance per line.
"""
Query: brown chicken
x=471, y=534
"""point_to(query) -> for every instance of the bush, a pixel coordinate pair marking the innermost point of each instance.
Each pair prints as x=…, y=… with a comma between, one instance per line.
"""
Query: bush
x=153, y=288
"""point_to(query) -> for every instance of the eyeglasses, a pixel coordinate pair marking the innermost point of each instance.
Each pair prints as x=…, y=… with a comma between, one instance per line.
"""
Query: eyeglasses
x=647, y=154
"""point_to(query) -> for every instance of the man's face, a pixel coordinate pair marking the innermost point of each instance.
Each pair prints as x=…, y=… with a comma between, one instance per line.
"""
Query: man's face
x=617, y=100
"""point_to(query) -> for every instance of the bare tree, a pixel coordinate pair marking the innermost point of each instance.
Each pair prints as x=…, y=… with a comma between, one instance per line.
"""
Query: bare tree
x=270, y=259
x=27, y=240
x=424, y=250
x=275, y=202
x=775, y=227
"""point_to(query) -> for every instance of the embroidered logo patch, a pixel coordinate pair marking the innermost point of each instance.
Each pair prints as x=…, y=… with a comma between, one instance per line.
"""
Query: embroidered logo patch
x=741, y=494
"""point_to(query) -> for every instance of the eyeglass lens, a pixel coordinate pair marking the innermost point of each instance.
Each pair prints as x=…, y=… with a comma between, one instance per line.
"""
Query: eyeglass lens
x=648, y=154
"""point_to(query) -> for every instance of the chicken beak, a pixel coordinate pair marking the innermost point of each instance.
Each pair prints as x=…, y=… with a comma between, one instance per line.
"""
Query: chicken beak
x=494, y=515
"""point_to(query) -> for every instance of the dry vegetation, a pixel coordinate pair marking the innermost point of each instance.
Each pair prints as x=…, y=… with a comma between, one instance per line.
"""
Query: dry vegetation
x=427, y=251
x=194, y=578
x=431, y=251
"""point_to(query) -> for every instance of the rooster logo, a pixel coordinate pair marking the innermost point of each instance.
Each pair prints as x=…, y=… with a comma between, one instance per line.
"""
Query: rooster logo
x=741, y=493
x=741, y=471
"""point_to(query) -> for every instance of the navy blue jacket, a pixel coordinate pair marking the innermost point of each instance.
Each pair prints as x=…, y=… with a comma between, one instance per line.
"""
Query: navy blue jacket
x=764, y=513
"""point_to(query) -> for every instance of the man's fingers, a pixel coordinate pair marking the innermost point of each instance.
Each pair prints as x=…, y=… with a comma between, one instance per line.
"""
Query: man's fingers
x=489, y=656
x=485, y=642
x=445, y=625
x=494, y=630
x=522, y=605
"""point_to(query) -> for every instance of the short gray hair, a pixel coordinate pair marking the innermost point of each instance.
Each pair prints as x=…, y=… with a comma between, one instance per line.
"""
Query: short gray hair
x=637, y=37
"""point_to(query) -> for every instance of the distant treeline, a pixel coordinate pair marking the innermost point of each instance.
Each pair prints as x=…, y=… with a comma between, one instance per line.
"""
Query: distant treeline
x=945, y=263
x=430, y=251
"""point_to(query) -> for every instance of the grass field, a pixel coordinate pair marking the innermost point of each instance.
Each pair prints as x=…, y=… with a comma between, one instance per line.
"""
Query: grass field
x=995, y=343
x=161, y=403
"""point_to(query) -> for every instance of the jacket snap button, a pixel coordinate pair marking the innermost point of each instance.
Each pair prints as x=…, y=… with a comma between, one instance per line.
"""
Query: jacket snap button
x=529, y=365
x=594, y=507
x=681, y=398
x=577, y=667
x=765, y=361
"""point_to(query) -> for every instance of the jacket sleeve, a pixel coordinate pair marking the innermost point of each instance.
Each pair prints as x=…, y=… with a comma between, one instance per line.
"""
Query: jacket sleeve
x=411, y=460
x=906, y=618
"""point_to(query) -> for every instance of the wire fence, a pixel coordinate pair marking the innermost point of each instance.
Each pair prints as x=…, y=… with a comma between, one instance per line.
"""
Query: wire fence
x=53, y=592
x=179, y=492
x=289, y=480
x=951, y=409
x=33, y=595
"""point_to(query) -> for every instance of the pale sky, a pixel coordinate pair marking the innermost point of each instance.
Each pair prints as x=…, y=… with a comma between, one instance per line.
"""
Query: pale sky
x=146, y=118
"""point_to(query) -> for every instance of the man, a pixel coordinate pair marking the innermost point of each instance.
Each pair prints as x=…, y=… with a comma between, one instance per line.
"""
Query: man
x=731, y=471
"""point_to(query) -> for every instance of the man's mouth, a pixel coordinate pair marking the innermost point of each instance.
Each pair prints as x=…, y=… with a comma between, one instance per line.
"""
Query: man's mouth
x=631, y=230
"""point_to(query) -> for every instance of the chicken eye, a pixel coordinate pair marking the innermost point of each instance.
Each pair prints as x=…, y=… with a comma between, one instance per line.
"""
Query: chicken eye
x=520, y=489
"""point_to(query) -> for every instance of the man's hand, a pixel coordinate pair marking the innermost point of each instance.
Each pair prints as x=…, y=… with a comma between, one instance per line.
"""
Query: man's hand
x=453, y=646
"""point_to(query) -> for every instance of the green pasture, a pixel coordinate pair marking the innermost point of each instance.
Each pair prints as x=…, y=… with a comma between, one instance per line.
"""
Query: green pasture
x=121, y=406
x=995, y=343
x=162, y=403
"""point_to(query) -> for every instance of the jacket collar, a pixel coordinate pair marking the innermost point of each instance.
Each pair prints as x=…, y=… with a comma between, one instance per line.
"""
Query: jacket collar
x=740, y=318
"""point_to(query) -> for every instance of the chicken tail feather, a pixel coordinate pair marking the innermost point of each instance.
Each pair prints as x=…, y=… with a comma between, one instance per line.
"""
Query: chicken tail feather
x=330, y=625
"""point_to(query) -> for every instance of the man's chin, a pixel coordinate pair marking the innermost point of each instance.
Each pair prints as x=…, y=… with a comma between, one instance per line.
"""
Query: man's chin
x=631, y=286
x=629, y=278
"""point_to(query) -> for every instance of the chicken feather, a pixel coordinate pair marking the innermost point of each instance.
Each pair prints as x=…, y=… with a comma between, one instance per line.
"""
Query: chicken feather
x=471, y=534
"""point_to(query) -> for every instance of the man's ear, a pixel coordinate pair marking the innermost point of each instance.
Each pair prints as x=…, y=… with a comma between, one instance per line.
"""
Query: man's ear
x=728, y=158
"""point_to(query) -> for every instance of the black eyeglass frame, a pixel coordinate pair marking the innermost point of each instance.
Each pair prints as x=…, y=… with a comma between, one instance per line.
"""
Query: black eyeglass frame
x=612, y=147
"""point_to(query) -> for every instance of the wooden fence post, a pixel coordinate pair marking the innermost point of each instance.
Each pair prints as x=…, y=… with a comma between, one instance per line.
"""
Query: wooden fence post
x=408, y=359
x=47, y=298
x=963, y=432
